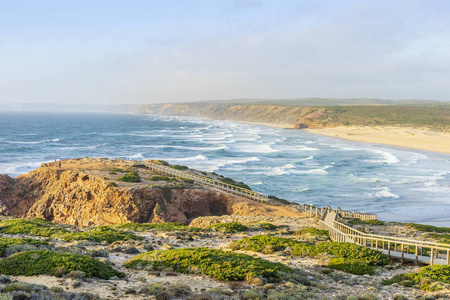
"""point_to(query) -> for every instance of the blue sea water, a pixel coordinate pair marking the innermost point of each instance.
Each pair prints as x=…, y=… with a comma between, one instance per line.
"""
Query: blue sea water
x=398, y=184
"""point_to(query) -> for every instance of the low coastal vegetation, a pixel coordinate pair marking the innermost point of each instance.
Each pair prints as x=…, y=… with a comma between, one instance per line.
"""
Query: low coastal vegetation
x=130, y=177
x=230, y=227
x=366, y=222
x=284, y=201
x=36, y=227
x=221, y=265
x=312, y=231
x=156, y=226
x=431, y=278
x=42, y=228
x=352, y=258
x=428, y=228
x=30, y=263
x=99, y=234
x=440, y=234
x=8, y=243
x=230, y=181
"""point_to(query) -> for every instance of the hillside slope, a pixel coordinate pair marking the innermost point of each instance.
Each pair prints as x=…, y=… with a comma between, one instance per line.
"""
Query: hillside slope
x=436, y=117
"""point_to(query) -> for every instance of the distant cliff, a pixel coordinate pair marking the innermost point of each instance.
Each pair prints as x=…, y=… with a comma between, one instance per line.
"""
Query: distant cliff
x=275, y=114
x=434, y=116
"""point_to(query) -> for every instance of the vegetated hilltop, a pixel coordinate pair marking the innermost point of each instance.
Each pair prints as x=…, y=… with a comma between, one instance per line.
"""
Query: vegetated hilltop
x=94, y=191
x=326, y=113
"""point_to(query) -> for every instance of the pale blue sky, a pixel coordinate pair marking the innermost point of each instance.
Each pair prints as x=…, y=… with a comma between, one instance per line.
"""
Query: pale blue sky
x=171, y=51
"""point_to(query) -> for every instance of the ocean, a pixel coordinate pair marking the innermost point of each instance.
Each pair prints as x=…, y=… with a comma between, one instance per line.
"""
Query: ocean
x=398, y=184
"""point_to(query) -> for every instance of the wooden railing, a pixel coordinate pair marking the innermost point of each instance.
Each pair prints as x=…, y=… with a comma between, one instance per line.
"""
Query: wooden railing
x=403, y=248
x=314, y=211
x=229, y=188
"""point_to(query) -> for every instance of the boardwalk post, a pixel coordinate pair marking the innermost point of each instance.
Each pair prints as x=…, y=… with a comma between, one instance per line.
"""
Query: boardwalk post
x=389, y=249
x=448, y=257
x=431, y=256
x=417, y=255
x=403, y=246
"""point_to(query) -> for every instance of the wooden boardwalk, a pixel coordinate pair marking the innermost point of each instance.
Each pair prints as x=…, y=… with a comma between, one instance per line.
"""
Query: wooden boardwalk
x=401, y=248
x=224, y=187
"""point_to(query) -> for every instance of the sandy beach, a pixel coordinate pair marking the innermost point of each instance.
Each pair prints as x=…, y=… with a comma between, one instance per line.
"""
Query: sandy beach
x=406, y=137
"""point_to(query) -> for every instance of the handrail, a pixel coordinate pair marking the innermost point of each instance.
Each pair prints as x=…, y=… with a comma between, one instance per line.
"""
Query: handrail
x=387, y=238
x=308, y=209
x=314, y=211
x=208, y=181
x=342, y=233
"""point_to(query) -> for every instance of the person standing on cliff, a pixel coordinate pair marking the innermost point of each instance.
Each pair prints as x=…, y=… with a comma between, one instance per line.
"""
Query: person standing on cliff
x=59, y=165
x=55, y=159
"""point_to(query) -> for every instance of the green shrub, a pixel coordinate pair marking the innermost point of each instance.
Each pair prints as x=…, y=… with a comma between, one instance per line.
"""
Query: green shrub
x=351, y=266
x=284, y=201
x=231, y=227
x=312, y=231
x=159, y=162
x=221, y=265
x=46, y=262
x=156, y=226
x=36, y=227
x=264, y=225
x=112, y=184
x=441, y=237
x=6, y=243
x=158, y=178
x=365, y=222
x=130, y=177
x=428, y=228
x=187, y=180
x=22, y=286
x=178, y=167
x=99, y=234
x=396, y=279
x=259, y=243
x=230, y=181
x=428, y=278
x=341, y=250
x=56, y=289
x=155, y=288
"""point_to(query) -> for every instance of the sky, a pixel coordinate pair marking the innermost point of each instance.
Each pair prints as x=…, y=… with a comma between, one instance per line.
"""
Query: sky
x=145, y=51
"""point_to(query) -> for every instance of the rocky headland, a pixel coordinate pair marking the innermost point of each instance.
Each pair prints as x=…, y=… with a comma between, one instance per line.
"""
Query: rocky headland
x=87, y=192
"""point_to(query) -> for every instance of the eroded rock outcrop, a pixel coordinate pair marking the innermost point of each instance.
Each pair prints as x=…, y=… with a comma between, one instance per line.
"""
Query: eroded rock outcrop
x=81, y=194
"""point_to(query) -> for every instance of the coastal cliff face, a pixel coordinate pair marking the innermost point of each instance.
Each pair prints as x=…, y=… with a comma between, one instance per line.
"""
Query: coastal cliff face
x=276, y=114
x=78, y=198
x=314, y=117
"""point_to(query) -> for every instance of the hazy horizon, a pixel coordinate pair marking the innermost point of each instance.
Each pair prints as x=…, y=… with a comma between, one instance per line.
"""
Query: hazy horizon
x=146, y=52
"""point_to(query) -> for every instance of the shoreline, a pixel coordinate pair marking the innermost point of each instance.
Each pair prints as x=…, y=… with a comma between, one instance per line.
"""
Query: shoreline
x=404, y=137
